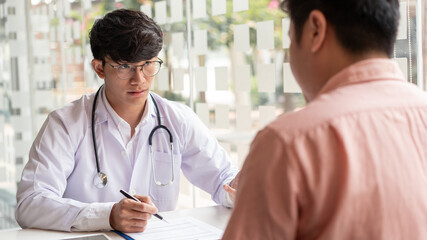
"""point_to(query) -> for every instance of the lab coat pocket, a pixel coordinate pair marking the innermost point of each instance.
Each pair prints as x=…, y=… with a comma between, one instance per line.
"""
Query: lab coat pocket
x=163, y=174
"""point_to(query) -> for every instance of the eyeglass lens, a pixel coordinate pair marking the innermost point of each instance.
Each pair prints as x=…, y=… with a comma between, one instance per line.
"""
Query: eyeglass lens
x=149, y=69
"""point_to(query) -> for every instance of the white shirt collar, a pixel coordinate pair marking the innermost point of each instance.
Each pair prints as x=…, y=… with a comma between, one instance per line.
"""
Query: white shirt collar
x=120, y=123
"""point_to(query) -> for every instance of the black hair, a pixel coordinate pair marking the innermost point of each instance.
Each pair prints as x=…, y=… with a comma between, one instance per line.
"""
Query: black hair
x=125, y=36
x=360, y=25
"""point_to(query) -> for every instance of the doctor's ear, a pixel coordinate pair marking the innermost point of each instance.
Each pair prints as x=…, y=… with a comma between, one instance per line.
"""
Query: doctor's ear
x=99, y=69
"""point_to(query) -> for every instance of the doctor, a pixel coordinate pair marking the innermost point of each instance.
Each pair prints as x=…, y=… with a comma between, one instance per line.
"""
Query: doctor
x=122, y=137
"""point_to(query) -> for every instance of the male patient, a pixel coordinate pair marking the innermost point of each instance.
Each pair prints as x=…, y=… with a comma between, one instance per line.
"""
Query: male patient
x=352, y=164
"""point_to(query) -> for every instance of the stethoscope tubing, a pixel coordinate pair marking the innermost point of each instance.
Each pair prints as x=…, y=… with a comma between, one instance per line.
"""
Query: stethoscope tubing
x=150, y=142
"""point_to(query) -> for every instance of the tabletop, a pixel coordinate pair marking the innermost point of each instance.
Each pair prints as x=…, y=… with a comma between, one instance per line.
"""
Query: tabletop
x=216, y=216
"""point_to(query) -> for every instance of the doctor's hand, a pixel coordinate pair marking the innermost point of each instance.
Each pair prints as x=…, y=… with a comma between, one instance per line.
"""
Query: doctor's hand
x=131, y=216
x=231, y=189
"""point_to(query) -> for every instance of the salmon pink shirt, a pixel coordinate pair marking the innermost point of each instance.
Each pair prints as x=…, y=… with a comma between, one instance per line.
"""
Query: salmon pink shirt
x=351, y=165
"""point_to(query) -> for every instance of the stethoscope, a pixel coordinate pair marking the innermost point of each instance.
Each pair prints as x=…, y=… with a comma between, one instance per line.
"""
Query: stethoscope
x=100, y=179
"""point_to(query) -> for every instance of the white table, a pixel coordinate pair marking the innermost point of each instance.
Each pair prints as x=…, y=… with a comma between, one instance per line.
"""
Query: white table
x=216, y=216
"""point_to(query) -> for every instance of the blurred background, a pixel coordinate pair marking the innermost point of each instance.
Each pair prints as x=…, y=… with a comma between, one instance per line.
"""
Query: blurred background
x=226, y=59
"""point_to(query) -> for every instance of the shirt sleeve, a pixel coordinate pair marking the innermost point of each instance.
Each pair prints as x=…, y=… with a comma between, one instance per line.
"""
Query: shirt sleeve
x=266, y=200
x=227, y=201
x=94, y=217
x=204, y=162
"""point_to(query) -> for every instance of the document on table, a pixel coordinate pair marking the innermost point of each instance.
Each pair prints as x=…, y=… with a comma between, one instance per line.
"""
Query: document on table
x=184, y=228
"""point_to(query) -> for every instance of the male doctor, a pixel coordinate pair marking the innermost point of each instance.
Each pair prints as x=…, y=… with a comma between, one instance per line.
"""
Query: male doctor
x=64, y=187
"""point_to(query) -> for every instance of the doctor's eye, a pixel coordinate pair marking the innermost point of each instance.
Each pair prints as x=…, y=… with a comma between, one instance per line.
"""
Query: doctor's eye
x=124, y=66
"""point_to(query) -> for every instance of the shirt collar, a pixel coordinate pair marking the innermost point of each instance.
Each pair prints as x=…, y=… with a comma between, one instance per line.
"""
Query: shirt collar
x=365, y=71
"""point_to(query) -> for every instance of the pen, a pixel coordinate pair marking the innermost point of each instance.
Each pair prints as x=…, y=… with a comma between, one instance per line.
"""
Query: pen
x=136, y=199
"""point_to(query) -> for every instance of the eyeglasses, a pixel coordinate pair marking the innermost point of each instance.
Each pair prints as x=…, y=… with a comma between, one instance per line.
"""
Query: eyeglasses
x=127, y=71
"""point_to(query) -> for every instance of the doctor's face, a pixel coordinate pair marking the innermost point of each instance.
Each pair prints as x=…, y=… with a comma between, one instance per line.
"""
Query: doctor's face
x=128, y=84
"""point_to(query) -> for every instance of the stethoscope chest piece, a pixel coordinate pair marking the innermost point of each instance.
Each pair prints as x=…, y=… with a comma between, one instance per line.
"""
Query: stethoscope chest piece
x=100, y=180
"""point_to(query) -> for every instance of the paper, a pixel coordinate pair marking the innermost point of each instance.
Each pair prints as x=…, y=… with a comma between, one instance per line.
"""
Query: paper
x=44, y=98
x=243, y=78
x=265, y=35
x=15, y=22
x=241, y=37
x=69, y=55
x=52, y=34
x=76, y=30
x=87, y=4
x=40, y=23
x=178, y=79
x=402, y=32
x=68, y=30
x=40, y=47
x=200, y=42
x=16, y=49
x=266, y=78
x=53, y=56
x=243, y=118
x=221, y=116
x=226, y=146
x=178, y=229
x=403, y=65
x=160, y=11
x=203, y=112
x=20, y=123
x=146, y=8
x=70, y=80
x=67, y=8
x=78, y=54
x=242, y=153
x=290, y=85
x=199, y=9
x=51, y=12
x=176, y=10
x=40, y=119
x=240, y=5
x=221, y=78
x=266, y=115
x=200, y=74
x=286, y=22
x=163, y=79
x=178, y=44
x=219, y=7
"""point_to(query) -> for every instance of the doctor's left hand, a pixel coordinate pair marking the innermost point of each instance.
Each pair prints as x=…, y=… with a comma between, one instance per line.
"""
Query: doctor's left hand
x=131, y=216
x=231, y=189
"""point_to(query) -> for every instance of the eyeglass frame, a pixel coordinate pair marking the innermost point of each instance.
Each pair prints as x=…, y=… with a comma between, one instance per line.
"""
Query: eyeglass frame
x=116, y=67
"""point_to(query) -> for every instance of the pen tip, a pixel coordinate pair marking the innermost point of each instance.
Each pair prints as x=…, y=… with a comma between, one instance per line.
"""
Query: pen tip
x=165, y=220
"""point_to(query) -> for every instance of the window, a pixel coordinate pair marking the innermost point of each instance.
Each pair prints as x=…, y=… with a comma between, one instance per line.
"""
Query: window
x=237, y=78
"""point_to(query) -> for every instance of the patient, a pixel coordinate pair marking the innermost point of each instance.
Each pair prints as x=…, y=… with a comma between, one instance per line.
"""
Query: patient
x=352, y=164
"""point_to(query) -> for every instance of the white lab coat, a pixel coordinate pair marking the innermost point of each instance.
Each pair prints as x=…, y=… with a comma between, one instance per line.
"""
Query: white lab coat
x=57, y=181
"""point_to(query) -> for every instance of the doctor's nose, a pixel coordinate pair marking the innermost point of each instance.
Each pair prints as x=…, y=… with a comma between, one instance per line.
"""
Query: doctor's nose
x=138, y=76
